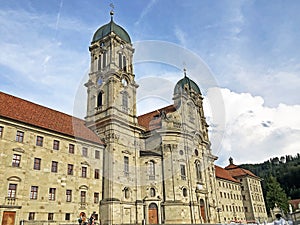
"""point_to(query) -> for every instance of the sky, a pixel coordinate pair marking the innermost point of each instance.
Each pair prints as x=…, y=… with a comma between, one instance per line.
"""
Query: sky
x=249, y=49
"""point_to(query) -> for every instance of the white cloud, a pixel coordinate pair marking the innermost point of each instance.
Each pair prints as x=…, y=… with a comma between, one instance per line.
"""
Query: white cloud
x=255, y=132
x=145, y=11
x=41, y=68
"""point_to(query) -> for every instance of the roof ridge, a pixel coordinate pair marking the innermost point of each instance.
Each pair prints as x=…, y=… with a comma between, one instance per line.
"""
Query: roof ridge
x=39, y=105
x=156, y=110
x=24, y=111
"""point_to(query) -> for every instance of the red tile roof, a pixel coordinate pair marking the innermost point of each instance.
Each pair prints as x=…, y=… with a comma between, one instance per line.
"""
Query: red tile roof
x=148, y=120
x=237, y=171
x=295, y=203
x=27, y=112
x=224, y=174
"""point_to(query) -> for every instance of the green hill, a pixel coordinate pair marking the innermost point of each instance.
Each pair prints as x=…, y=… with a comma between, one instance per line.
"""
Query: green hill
x=285, y=169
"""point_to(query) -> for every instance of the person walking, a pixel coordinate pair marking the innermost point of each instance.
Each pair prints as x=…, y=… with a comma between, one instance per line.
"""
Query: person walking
x=279, y=220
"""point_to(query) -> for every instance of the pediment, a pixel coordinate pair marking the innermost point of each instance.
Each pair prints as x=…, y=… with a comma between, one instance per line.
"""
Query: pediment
x=83, y=187
x=21, y=150
x=14, y=178
x=85, y=163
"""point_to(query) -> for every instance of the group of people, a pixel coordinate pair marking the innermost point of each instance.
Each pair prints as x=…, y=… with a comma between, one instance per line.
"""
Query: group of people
x=83, y=220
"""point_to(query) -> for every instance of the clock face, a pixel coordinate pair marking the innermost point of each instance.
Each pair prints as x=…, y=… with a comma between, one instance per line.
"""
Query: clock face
x=100, y=81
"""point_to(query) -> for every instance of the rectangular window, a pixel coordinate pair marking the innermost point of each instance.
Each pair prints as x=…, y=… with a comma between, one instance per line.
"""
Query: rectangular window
x=37, y=164
x=54, y=167
x=31, y=216
x=83, y=171
x=84, y=151
x=12, y=189
x=97, y=174
x=104, y=59
x=56, y=145
x=52, y=194
x=96, y=197
x=82, y=196
x=182, y=172
x=39, y=141
x=99, y=63
x=1, y=131
x=71, y=148
x=151, y=168
x=126, y=166
x=50, y=216
x=67, y=216
x=221, y=194
x=20, y=136
x=70, y=169
x=68, y=195
x=97, y=154
x=34, y=192
x=16, y=161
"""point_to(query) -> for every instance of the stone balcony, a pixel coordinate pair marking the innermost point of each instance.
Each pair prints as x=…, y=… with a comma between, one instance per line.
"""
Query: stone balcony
x=10, y=202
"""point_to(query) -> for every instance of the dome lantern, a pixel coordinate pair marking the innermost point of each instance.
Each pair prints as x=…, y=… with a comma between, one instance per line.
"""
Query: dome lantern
x=186, y=84
x=109, y=28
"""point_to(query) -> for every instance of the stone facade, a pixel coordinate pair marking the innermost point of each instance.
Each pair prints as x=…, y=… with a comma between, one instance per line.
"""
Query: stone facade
x=154, y=168
x=47, y=175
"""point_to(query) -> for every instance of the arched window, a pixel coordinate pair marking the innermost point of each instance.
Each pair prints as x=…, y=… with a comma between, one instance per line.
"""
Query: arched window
x=152, y=192
x=124, y=63
x=99, y=99
x=120, y=60
x=99, y=63
x=198, y=170
x=184, y=192
x=95, y=66
x=104, y=59
x=125, y=101
x=151, y=170
x=126, y=192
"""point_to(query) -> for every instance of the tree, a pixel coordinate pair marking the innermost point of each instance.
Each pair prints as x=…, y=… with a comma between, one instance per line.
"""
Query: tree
x=275, y=194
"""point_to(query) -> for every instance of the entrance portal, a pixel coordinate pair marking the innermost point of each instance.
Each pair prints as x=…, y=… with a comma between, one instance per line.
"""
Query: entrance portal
x=8, y=218
x=152, y=214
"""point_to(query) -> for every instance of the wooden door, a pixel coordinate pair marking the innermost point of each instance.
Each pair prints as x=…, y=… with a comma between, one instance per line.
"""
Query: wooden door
x=152, y=214
x=202, y=210
x=8, y=218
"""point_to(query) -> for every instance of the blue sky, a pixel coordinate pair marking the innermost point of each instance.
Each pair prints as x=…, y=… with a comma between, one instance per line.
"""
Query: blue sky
x=251, y=48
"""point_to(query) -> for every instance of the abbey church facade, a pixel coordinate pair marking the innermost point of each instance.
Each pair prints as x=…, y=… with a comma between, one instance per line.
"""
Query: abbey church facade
x=155, y=168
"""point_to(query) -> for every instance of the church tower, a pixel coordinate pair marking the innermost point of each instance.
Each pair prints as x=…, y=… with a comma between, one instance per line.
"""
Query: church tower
x=111, y=114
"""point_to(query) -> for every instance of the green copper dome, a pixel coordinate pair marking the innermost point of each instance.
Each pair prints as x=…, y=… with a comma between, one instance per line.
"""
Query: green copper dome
x=106, y=29
x=186, y=82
